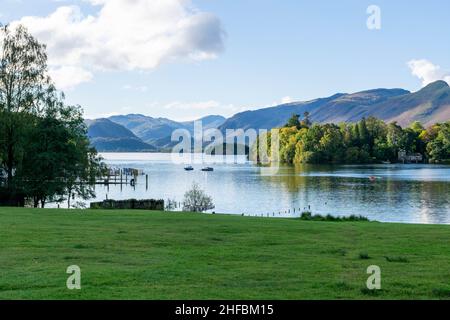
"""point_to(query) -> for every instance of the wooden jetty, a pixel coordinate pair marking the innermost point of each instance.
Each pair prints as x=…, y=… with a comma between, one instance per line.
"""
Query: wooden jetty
x=125, y=176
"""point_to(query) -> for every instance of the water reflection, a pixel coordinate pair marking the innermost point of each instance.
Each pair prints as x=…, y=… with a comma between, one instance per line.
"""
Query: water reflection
x=406, y=193
x=400, y=193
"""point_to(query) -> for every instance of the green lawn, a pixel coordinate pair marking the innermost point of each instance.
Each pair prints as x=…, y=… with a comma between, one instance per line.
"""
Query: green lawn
x=151, y=255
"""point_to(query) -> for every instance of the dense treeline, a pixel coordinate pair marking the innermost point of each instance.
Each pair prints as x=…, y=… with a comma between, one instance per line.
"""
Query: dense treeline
x=44, y=150
x=369, y=141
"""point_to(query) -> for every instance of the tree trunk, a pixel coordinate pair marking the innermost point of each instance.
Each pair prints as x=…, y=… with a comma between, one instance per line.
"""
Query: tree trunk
x=10, y=164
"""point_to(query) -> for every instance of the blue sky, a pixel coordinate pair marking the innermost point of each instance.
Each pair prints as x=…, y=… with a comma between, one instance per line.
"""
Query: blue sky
x=229, y=56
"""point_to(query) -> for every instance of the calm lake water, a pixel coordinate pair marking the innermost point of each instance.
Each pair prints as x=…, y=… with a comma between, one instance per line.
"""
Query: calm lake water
x=401, y=193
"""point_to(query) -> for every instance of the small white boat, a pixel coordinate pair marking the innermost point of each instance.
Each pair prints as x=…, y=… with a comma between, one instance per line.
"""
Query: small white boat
x=208, y=169
x=189, y=168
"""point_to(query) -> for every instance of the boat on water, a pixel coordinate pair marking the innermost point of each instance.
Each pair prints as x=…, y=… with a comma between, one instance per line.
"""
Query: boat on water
x=189, y=168
x=208, y=169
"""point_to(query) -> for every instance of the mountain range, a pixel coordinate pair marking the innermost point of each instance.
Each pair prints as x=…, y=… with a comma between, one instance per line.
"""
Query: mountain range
x=137, y=132
x=107, y=136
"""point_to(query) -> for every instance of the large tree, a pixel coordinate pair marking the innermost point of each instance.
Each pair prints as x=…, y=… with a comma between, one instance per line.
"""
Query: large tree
x=62, y=162
x=24, y=85
x=44, y=148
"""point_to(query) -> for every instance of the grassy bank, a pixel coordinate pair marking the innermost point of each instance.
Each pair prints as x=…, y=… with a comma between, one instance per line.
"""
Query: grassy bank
x=143, y=255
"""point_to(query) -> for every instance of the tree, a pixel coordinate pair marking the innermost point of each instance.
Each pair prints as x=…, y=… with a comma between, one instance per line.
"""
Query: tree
x=368, y=141
x=306, y=122
x=195, y=200
x=23, y=85
x=62, y=160
x=39, y=174
x=439, y=147
x=356, y=136
x=44, y=148
x=293, y=121
x=395, y=136
x=417, y=127
x=332, y=144
x=83, y=164
x=288, y=141
x=363, y=133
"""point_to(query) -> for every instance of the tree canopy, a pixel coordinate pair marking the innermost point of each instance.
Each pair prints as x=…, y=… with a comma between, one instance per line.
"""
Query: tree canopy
x=45, y=154
x=368, y=141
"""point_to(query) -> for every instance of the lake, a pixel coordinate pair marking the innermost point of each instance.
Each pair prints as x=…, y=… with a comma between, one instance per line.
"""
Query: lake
x=412, y=193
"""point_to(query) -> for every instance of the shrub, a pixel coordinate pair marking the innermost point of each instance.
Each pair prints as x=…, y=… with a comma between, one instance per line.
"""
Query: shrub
x=196, y=200
x=130, y=205
x=364, y=256
x=307, y=216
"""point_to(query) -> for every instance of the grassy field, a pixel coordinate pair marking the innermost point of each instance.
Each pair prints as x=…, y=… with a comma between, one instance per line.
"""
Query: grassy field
x=151, y=255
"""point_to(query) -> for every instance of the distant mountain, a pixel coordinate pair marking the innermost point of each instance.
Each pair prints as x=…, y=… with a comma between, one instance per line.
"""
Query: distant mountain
x=147, y=128
x=429, y=105
x=107, y=136
x=268, y=118
x=208, y=122
x=158, y=131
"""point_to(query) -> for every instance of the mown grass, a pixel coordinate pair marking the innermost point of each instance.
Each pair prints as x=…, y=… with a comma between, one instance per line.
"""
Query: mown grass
x=154, y=255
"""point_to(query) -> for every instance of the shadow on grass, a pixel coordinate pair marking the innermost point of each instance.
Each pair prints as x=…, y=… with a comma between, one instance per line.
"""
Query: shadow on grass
x=364, y=256
x=342, y=285
x=441, y=293
x=396, y=259
x=339, y=252
x=371, y=293
x=80, y=246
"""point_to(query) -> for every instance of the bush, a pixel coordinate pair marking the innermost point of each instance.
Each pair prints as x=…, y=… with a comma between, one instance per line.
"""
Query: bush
x=131, y=204
x=196, y=200
x=307, y=216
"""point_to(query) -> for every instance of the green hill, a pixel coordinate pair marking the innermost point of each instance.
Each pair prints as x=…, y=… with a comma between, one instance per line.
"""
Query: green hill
x=107, y=136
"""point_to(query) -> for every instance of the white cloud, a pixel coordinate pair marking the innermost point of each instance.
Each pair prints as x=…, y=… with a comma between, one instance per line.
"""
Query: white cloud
x=286, y=100
x=428, y=72
x=68, y=77
x=127, y=35
x=135, y=88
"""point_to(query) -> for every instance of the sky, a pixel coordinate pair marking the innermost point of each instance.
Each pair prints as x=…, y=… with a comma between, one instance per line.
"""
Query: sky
x=183, y=59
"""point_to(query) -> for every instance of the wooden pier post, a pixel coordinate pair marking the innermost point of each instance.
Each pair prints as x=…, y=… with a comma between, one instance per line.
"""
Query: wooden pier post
x=146, y=182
